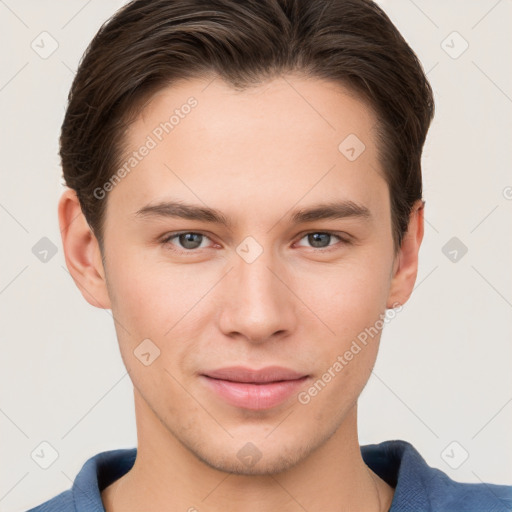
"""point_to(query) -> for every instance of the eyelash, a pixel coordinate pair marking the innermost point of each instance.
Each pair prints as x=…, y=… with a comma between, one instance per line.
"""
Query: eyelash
x=167, y=241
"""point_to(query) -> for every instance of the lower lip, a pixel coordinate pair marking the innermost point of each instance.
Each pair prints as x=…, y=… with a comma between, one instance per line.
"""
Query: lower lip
x=254, y=396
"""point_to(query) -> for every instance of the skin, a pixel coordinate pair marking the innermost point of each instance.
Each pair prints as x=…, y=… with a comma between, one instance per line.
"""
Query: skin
x=256, y=156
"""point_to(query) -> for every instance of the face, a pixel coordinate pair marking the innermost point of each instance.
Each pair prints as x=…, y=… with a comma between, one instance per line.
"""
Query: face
x=248, y=276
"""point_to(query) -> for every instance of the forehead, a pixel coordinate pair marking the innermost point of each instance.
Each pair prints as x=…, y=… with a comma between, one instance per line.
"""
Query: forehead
x=323, y=108
x=277, y=142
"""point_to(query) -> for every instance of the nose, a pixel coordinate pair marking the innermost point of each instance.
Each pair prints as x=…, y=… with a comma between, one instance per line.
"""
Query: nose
x=258, y=303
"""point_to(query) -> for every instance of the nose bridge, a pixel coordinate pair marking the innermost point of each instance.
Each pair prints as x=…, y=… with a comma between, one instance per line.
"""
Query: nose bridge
x=257, y=302
x=256, y=279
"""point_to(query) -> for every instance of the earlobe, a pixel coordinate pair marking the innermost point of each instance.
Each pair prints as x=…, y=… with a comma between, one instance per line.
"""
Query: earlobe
x=82, y=252
x=406, y=264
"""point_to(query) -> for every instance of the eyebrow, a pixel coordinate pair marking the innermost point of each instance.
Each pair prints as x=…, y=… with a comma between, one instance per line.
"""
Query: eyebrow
x=323, y=211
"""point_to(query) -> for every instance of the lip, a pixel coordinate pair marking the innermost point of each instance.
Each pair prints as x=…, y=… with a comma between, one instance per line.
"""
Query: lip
x=254, y=389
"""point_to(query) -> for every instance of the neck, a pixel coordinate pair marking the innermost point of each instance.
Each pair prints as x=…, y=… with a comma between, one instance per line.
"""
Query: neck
x=167, y=476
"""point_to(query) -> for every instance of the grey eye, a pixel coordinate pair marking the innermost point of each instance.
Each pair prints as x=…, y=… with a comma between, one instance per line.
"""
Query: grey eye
x=319, y=239
x=190, y=240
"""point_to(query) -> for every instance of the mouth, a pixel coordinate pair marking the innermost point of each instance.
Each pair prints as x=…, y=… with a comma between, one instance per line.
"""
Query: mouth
x=254, y=389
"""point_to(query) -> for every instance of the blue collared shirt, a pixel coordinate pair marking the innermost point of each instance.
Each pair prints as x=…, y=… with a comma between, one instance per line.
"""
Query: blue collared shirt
x=418, y=487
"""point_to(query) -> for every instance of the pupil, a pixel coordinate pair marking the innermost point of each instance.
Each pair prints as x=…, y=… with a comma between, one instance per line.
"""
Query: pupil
x=187, y=240
x=315, y=239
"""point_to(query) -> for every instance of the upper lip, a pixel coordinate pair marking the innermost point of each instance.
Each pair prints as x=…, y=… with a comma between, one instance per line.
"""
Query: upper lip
x=242, y=374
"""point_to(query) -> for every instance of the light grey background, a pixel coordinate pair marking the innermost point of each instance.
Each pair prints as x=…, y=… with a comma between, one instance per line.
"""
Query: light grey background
x=444, y=367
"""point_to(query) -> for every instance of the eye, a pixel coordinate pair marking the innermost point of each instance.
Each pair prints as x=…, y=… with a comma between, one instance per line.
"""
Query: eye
x=188, y=240
x=321, y=239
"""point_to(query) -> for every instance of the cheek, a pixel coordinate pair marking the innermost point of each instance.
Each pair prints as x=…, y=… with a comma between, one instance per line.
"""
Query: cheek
x=151, y=297
x=152, y=304
x=152, y=300
x=346, y=363
x=348, y=297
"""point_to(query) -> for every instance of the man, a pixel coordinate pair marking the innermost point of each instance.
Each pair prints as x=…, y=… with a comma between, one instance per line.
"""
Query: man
x=245, y=195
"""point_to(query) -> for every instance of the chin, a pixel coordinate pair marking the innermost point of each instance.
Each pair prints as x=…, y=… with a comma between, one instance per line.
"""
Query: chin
x=268, y=464
x=253, y=458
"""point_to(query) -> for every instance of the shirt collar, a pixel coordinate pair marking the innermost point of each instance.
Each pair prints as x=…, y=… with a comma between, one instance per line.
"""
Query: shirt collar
x=397, y=462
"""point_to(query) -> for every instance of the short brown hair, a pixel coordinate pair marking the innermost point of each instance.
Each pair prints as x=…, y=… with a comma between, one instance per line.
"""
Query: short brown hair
x=150, y=44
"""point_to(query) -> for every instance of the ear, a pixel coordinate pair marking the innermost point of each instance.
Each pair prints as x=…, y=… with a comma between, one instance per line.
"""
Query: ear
x=405, y=268
x=82, y=252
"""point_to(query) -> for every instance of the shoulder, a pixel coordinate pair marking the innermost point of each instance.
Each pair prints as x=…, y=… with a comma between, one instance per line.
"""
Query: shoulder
x=63, y=502
x=446, y=494
x=96, y=474
x=423, y=488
